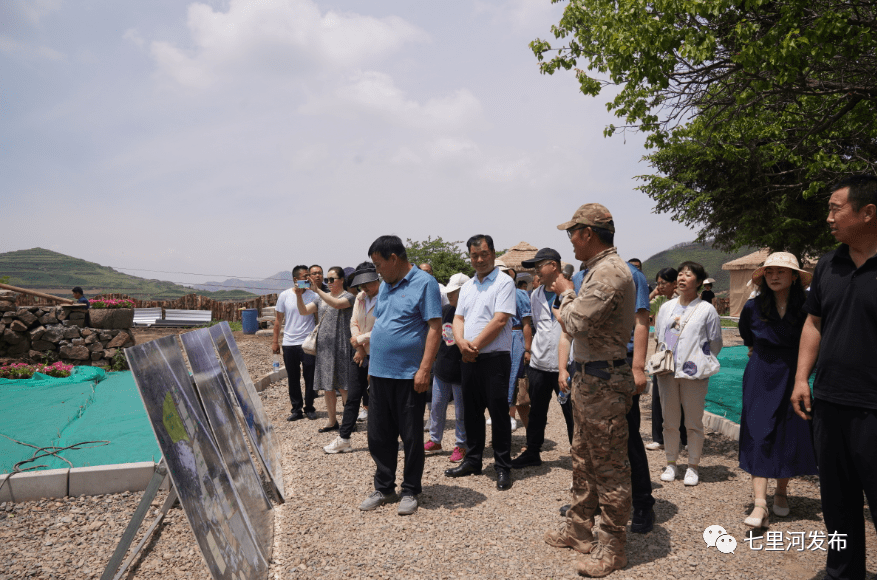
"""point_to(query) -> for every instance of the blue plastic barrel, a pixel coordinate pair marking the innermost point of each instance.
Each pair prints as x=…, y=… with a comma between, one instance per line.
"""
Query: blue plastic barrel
x=250, y=320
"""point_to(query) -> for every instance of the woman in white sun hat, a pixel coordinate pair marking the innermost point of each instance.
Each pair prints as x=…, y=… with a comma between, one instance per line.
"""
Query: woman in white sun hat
x=774, y=441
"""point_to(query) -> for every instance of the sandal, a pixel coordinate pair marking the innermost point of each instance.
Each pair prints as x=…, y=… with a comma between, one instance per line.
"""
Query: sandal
x=781, y=510
x=754, y=522
x=327, y=429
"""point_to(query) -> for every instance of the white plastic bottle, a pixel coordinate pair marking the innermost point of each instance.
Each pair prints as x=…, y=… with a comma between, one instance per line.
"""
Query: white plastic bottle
x=275, y=363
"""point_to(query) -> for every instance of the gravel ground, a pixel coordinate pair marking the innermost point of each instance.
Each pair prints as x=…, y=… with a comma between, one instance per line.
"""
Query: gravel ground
x=464, y=528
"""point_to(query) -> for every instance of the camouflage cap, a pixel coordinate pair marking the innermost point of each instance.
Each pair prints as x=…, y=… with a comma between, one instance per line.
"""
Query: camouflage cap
x=591, y=214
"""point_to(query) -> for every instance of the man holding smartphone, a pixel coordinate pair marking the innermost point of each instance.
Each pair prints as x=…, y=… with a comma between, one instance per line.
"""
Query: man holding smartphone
x=296, y=329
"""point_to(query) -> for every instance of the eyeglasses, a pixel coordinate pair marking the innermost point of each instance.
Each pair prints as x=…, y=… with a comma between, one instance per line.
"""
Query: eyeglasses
x=571, y=231
x=330, y=279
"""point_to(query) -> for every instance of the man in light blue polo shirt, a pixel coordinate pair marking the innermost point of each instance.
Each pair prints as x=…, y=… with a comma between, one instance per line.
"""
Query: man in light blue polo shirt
x=483, y=332
x=404, y=343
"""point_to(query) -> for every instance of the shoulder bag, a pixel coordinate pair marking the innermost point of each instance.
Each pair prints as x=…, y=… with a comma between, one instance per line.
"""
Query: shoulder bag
x=309, y=346
x=663, y=361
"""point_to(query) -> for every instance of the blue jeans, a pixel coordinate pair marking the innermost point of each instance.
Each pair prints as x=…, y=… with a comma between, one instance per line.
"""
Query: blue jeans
x=441, y=395
x=517, y=362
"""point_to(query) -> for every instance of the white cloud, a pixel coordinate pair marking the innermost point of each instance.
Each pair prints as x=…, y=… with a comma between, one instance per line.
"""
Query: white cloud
x=133, y=36
x=34, y=10
x=520, y=14
x=448, y=148
x=375, y=93
x=10, y=47
x=278, y=38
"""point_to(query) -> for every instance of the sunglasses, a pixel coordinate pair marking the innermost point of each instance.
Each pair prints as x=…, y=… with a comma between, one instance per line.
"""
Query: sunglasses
x=330, y=279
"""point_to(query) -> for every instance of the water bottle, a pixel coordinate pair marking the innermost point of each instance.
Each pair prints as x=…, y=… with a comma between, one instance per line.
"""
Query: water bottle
x=562, y=397
x=275, y=363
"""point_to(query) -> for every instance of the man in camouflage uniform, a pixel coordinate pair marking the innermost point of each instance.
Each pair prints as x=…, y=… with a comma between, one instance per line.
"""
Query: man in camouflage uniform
x=600, y=319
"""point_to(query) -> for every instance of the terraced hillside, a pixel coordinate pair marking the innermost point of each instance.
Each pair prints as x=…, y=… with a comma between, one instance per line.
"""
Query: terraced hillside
x=704, y=254
x=55, y=273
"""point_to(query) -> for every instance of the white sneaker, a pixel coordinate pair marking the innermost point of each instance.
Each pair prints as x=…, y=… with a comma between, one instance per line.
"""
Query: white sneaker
x=691, y=477
x=363, y=415
x=669, y=473
x=340, y=445
x=514, y=424
x=654, y=446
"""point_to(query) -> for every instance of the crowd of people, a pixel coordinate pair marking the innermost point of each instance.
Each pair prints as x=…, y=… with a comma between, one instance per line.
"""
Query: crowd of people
x=392, y=341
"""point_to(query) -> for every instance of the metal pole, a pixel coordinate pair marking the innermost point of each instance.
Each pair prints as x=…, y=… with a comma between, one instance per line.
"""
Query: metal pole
x=139, y=514
x=168, y=503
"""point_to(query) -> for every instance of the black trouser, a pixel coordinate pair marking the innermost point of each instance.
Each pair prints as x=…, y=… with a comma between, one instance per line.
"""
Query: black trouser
x=640, y=481
x=543, y=386
x=486, y=386
x=355, y=394
x=396, y=411
x=658, y=418
x=293, y=356
x=844, y=439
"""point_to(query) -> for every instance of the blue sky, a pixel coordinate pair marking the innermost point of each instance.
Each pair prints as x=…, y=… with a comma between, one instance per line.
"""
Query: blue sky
x=240, y=138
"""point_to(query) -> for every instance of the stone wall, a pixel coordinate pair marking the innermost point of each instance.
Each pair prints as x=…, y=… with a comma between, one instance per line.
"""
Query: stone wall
x=56, y=333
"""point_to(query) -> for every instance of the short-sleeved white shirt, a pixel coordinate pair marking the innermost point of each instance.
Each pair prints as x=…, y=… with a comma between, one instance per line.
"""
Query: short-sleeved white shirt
x=479, y=301
x=296, y=327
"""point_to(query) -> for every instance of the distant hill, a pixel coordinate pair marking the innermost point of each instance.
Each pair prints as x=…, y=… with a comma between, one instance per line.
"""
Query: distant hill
x=704, y=254
x=276, y=283
x=48, y=271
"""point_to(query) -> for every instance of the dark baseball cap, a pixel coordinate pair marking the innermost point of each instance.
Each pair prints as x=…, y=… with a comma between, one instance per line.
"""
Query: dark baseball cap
x=543, y=254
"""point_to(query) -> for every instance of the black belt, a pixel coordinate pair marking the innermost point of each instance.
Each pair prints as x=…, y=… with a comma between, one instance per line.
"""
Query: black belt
x=594, y=367
x=518, y=327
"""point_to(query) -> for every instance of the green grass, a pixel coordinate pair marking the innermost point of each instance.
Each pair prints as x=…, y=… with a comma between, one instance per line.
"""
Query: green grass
x=704, y=254
x=57, y=273
x=729, y=323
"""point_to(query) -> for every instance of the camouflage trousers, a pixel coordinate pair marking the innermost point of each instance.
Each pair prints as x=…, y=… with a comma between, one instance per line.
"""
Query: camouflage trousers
x=601, y=469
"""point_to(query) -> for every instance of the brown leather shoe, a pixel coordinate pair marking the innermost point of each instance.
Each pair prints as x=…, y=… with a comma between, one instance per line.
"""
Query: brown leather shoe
x=601, y=562
x=563, y=539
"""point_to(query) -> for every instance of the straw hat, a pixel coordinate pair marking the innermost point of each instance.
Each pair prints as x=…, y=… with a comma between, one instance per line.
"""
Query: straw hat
x=782, y=260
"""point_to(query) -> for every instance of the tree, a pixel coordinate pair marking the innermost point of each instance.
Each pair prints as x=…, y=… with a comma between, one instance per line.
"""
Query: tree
x=446, y=258
x=753, y=107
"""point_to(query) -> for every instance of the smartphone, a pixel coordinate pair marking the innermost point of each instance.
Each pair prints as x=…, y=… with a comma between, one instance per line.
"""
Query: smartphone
x=303, y=284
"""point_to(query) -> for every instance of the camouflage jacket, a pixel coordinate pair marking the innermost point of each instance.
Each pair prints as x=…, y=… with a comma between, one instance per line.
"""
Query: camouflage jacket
x=601, y=317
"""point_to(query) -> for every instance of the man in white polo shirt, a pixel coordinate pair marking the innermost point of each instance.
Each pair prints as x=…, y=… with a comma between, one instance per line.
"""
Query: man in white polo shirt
x=296, y=329
x=483, y=332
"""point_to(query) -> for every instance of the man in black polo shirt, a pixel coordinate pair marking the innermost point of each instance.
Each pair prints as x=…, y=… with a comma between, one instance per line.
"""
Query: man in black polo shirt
x=841, y=328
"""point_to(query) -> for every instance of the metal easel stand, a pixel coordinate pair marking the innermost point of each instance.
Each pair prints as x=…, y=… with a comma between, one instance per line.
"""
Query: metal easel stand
x=112, y=571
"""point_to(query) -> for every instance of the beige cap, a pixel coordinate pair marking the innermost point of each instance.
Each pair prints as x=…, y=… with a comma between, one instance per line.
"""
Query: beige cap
x=591, y=214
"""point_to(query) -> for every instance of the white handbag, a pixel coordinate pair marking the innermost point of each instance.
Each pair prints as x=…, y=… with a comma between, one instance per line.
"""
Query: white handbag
x=309, y=346
x=663, y=362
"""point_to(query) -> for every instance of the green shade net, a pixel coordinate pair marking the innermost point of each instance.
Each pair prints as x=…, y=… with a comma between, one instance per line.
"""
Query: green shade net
x=725, y=395
x=89, y=405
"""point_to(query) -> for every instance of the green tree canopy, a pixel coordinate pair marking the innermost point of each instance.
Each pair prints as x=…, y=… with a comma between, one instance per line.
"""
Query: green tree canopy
x=753, y=107
x=446, y=258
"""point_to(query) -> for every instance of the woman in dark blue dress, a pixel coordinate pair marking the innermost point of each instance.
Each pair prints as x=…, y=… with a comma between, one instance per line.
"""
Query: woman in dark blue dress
x=774, y=442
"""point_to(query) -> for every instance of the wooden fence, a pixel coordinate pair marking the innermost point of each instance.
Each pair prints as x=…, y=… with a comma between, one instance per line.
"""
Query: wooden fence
x=228, y=311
